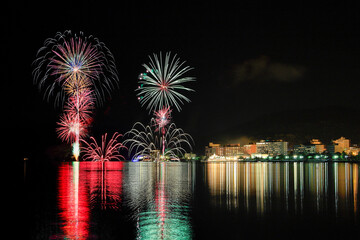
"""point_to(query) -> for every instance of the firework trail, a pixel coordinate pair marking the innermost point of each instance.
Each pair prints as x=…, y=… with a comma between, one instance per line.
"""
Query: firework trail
x=143, y=142
x=159, y=85
x=106, y=151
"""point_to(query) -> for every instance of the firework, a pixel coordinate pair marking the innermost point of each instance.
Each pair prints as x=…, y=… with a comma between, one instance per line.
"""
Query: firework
x=68, y=58
x=159, y=85
x=162, y=119
x=77, y=85
x=77, y=70
x=143, y=142
x=106, y=152
x=80, y=106
x=70, y=128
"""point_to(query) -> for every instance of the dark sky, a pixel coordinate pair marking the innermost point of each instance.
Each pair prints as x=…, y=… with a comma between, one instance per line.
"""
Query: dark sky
x=253, y=62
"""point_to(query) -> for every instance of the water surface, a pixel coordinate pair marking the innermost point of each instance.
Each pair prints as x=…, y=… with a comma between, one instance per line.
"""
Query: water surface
x=124, y=200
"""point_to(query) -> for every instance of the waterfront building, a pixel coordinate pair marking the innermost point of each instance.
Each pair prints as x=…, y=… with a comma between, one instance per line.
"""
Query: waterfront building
x=340, y=145
x=272, y=148
x=262, y=147
x=229, y=151
x=319, y=147
x=330, y=148
x=212, y=149
x=250, y=148
x=354, y=151
x=304, y=149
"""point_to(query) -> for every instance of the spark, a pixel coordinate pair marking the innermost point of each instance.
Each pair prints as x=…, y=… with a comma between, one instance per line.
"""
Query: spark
x=107, y=151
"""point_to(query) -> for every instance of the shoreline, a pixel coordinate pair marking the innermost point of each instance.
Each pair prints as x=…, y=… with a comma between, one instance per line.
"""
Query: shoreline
x=286, y=160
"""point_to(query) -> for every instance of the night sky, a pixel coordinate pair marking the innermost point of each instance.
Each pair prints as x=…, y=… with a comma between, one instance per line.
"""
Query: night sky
x=263, y=69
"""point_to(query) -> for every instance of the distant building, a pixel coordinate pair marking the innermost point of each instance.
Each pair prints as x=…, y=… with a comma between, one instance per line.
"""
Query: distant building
x=354, y=151
x=212, y=149
x=304, y=149
x=232, y=151
x=272, y=148
x=340, y=145
x=250, y=148
x=319, y=147
x=262, y=147
x=315, y=141
x=330, y=148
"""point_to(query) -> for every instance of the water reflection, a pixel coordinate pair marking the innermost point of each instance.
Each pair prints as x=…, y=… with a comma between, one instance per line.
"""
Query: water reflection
x=155, y=200
x=159, y=195
x=73, y=203
x=104, y=181
x=83, y=186
x=265, y=187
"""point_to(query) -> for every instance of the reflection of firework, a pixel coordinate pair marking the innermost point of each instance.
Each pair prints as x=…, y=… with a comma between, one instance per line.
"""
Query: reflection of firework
x=69, y=57
x=160, y=84
x=106, y=151
x=143, y=142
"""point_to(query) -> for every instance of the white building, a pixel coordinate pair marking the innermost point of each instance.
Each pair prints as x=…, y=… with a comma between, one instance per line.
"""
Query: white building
x=272, y=148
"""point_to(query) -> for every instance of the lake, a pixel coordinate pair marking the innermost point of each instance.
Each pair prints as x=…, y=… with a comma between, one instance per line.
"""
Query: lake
x=193, y=200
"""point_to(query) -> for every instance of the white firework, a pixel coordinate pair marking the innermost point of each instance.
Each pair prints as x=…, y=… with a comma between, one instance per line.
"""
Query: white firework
x=159, y=85
x=143, y=141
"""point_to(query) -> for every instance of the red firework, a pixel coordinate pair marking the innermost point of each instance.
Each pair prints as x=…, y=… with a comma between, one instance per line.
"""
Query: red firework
x=70, y=128
x=106, y=151
x=162, y=118
x=81, y=105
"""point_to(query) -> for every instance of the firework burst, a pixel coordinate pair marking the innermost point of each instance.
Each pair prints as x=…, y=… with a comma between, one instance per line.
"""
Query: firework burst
x=159, y=85
x=70, y=128
x=143, y=142
x=68, y=58
x=77, y=70
x=80, y=106
x=107, y=151
x=77, y=85
x=162, y=118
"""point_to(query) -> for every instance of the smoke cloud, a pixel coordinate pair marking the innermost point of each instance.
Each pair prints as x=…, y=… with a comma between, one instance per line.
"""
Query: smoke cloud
x=264, y=69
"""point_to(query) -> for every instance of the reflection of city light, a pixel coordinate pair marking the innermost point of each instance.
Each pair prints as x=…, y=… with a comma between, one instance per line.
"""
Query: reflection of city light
x=261, y=183
x=355, y=186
